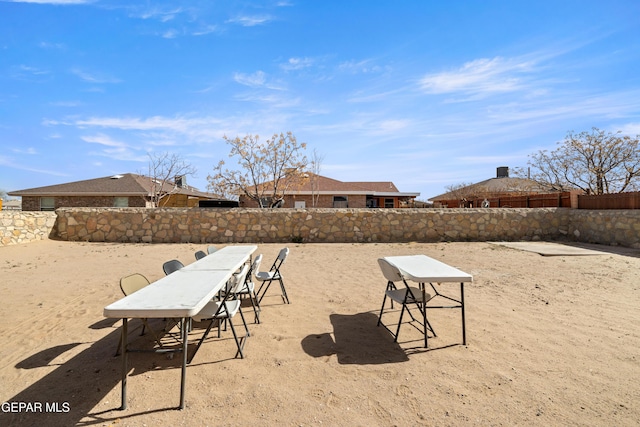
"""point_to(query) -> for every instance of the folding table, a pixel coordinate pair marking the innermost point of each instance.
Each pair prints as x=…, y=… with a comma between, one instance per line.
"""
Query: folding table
x=423, y=269
x=181, y=294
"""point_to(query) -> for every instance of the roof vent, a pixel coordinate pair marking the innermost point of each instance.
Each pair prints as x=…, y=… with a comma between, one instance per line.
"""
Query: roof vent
x=117, y=176
x=503, y=172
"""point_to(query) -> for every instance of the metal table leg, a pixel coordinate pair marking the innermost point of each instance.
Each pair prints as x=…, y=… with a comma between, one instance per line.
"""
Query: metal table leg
x=464, y=329
x=123, y=405
x=185, y=335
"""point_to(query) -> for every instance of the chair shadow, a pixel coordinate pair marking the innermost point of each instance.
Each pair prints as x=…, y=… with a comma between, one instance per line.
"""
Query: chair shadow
x=358, y=340
x=74, y=388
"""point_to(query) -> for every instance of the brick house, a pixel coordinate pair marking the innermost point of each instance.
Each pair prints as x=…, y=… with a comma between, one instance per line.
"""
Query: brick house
x=500, y=186
x=322, y=192
x=126, y=190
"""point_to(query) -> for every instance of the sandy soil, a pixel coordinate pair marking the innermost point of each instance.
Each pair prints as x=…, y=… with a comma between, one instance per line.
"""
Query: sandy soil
x=551, y=341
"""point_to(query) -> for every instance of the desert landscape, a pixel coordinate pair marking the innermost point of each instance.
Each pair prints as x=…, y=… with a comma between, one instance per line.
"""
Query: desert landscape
x=551, y=340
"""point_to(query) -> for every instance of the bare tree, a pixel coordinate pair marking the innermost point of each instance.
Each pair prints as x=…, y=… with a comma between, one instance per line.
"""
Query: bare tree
x=315, y=166
x=596, y=162
x=167, y=173
x=266, y=169
x=462, y=192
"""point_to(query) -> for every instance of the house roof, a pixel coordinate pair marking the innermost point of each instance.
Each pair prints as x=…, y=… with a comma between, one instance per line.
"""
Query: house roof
x=318, y=184
x=127, y=184
x=494, y=186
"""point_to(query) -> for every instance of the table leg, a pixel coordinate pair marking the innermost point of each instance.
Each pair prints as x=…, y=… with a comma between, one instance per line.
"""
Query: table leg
x=185, y=335
x=123, y=405
x=424, y=314
x=464, y=329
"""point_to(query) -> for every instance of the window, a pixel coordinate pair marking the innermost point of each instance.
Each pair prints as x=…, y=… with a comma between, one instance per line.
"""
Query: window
x=388, y=203
x=120, y=202
x=47, y=203
x=340, y=202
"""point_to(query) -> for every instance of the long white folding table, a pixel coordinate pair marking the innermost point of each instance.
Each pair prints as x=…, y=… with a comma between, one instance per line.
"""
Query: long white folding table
x=423, y=269
x=179, y=295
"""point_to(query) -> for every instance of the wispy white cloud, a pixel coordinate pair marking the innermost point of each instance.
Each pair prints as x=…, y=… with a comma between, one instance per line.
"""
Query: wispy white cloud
x=28, y=150
x=29, y=70
x=114, y=149
x=364, y=66
x=48, y=45
x=481, y=76
x=297, y=64
x=256, y=79
x=13, y=164
x=93, y=77
x=250, y=21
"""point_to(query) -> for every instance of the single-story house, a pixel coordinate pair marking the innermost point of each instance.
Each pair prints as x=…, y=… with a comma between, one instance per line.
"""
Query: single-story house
x=500, y=186
x=314, y=190
x=126, y=190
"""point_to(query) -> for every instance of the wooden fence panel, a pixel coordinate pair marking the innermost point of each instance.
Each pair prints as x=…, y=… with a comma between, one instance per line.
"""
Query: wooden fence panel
x=630, y=200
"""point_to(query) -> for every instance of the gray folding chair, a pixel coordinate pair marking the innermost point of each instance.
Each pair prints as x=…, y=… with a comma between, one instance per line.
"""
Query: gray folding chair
x=171, y=266
x=267, y=277
x=211, y=249
x=225, y=310
x=249, y=288
x=406, y=296
x=200, y=255
x=130, y=284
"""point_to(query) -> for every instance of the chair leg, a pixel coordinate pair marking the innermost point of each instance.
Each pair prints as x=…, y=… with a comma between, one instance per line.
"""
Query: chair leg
x=384, y=300
x=399, y=322
x=285, y=298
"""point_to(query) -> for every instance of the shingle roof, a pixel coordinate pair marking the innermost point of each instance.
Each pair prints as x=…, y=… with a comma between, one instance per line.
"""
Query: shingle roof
x=322, y=184
x=127, y=184
x=496, y=185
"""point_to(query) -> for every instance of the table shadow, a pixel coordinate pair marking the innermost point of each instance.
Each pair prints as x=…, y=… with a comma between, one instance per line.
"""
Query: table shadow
x=75, y=387
x=356, y=340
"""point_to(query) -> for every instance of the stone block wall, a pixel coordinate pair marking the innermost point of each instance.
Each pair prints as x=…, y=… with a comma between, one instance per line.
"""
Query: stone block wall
x=23, y=227
x=244, y=225
x=310, y=225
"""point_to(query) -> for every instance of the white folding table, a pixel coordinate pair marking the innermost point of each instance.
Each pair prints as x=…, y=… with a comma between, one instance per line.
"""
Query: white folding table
x=423, y=269
x=181, y=294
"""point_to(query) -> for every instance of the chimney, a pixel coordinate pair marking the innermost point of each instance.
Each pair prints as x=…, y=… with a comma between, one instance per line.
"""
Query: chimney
x=503, y=172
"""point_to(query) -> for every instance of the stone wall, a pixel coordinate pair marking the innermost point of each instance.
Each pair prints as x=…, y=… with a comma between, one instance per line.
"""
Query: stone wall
x=310, y=225
x=22, y=227
x=168, y=225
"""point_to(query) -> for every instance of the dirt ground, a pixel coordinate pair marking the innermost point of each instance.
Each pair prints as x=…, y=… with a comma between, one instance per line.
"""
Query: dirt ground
x=551, y=340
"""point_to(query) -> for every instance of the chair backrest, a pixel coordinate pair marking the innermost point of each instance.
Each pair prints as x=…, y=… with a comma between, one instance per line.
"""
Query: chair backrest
x=255, y=265
x=132, y=283
x=237, y=280
x=200, y=255
x=211, y=249
x=390, y=271
x=171, y=266
x=283, y=254
x=280, y=259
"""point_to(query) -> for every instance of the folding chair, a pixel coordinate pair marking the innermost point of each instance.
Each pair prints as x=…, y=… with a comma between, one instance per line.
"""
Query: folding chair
x=171, y=266
x=225, y=310
x=249, y=288
x=406, y=296
x=266, y=277
x=130, y=284
x=200, y=255
x=211, y=249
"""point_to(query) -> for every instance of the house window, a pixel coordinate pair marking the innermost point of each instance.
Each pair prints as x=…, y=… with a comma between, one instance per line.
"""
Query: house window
x=47, y=203
x=388, y=203
x=120, y=202
x=340, y=202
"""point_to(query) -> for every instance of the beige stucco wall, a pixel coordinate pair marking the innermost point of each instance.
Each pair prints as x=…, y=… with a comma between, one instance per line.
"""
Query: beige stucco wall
x=23, y=227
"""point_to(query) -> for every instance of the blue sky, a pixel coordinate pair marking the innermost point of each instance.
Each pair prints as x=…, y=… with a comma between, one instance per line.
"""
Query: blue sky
x=422, y=93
